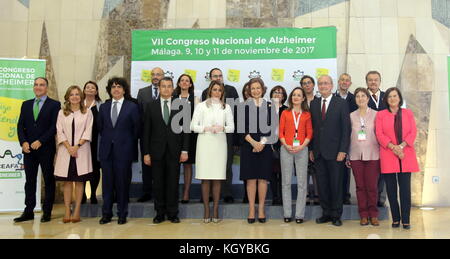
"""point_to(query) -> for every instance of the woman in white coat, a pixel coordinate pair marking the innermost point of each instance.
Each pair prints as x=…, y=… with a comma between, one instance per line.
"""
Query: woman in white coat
x=212, y=119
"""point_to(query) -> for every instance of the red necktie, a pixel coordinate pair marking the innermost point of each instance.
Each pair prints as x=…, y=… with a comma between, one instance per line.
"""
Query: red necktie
x=324, y=109
x=375, y=97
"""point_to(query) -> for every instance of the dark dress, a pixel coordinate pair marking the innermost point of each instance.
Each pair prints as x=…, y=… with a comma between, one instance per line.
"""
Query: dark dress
x=193, y=136
x=72, y=175
x=255, y=165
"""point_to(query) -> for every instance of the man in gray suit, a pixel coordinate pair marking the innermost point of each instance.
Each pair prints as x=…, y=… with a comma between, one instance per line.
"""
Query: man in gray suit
x=144, y=97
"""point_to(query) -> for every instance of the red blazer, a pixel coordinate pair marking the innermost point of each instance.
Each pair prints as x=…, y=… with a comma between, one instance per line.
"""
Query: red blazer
x=384, y=127
x=287, y=127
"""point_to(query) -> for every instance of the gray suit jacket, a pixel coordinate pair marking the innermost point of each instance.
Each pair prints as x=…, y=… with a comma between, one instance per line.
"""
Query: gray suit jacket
x=144, y=97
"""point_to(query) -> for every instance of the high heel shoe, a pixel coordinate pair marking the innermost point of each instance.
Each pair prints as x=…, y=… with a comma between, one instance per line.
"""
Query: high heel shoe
x=287, y=220
x=299, y=221
x=215, y=220
x=65, y=221
x=207, y=220
x=396, y=224
x=262, y=220
x=406, y=226
x=251, y=221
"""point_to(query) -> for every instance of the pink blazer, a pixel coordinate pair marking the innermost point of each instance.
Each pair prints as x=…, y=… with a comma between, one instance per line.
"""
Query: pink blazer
x=386, y=133
x=83, y=130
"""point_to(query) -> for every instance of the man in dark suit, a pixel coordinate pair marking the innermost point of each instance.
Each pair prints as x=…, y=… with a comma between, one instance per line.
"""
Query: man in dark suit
x=36, y=130
x=373, y=81
x=232, y=138
x=119, y=126
x=331, y=126
x=145, y=96
x=344, y=83
x=164, y=150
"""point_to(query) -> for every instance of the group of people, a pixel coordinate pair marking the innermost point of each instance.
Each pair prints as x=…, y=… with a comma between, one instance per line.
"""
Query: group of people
x=321, y=137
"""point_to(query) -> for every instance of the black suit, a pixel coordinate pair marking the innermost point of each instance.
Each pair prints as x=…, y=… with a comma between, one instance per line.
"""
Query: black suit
x=331, y=136
x=232, y=140
x=164, y=147
x=44, y=130
x=145, y=96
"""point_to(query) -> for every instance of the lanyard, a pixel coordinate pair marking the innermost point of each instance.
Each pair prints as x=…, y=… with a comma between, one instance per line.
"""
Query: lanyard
x=296, y=121
x=363, y=121
x=377, y=102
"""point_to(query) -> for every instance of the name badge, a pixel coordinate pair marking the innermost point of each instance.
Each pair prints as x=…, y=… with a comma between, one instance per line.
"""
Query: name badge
x=296, y=143
x=362, y=135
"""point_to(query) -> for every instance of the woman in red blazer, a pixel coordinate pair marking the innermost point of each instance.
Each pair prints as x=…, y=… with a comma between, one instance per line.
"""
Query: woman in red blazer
x=295, y=134
x=396, y=132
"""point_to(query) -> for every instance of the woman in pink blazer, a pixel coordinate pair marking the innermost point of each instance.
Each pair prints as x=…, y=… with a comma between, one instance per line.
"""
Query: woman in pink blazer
x=396, y=132
x=73, y=158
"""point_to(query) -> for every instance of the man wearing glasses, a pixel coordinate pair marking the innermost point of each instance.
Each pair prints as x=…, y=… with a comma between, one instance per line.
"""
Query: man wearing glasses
x=144, y=97
x=232, y=140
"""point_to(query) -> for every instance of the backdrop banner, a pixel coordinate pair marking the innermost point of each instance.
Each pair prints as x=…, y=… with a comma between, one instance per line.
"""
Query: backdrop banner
x=16, y=85
x=279, y=56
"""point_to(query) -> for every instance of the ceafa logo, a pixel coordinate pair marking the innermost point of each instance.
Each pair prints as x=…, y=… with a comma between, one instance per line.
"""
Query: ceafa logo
x=11, y=165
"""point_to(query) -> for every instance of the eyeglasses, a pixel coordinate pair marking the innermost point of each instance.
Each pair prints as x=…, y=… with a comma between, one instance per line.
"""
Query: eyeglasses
x=307, y=83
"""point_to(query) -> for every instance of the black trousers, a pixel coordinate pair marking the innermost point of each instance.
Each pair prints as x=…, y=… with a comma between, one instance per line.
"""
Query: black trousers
x=44, y=158
x=227, y=184
x=147, y=178
x=116, y=179
x=166, y=177
x=403, y=181
x=329, y=180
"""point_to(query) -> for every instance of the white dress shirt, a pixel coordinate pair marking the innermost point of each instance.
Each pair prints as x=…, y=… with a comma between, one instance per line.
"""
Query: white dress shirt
x=327, y=103
x=119, y=105
x=169, y=102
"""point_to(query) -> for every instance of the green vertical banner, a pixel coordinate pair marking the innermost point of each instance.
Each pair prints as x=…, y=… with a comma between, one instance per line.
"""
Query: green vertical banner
x=16, y=85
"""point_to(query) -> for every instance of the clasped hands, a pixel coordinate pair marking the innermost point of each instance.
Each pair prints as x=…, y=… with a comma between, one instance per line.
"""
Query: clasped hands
x=35, y=146
x=397, y=149
x=292, y=149
x=214, y=129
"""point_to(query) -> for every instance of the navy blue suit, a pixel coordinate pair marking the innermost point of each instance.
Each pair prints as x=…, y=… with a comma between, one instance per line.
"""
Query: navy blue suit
x=381, y=105
x=117, y=152
x=44, y=130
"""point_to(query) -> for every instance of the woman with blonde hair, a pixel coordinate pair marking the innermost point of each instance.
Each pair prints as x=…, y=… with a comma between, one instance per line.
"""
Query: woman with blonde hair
x=212, y=119
x=73, y=160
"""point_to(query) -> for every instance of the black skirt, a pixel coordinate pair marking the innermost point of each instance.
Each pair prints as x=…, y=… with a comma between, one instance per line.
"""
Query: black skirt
x=72, y=175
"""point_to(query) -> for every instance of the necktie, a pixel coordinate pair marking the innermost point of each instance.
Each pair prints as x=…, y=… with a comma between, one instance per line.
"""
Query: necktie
x=155, y=94
x=324, y=109
x=36, y=108
x=166, y=112
x=114, y=114
x=375, y=97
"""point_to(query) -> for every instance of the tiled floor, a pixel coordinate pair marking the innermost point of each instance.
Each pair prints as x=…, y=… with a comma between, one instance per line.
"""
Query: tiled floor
x=425, y=224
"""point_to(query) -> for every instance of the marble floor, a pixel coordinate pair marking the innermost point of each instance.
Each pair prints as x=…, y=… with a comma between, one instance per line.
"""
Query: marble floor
x=425, y=224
